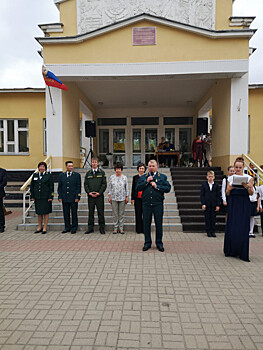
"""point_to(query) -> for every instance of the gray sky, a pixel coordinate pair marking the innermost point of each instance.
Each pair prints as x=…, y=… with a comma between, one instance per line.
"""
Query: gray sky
x=21, y=64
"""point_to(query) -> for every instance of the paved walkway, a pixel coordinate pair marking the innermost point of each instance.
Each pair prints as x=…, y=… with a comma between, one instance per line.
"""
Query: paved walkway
x=102, y=292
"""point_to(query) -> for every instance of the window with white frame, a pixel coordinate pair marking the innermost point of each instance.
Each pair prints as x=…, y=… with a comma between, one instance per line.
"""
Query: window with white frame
x=14, y=136
x=44, y=136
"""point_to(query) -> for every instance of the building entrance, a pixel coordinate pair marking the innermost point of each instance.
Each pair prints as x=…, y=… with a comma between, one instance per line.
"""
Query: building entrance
x=131, y=143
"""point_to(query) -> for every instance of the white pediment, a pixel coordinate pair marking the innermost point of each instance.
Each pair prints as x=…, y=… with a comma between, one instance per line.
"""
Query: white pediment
x=95, y=14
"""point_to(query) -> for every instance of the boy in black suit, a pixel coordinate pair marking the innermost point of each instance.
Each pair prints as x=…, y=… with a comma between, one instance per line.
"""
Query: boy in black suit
x=210, y=200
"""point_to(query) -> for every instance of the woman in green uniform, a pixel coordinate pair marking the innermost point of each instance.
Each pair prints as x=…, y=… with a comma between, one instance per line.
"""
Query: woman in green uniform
x=42, y=192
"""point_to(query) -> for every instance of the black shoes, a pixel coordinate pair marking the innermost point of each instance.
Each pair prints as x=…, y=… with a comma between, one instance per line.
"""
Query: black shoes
x=90, y=230
x=211, y=234
x=2, y=230
x=160, y=248
x=38, y=231
x=44, y=232
x=73, y=231
x=146, y=247
x=102, y=231
x=65, y=231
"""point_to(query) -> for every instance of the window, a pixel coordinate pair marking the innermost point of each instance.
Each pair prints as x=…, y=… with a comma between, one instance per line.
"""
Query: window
x=145, y=121
x=14, y=136
x=111, y=121
x=178, y=120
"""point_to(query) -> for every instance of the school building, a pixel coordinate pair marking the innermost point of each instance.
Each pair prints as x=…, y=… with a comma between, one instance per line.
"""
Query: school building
x=141, y=70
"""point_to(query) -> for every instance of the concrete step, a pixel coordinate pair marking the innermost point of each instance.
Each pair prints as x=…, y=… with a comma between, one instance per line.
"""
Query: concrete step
x=108, y=219
x=107, y=212
x=84, y=206
x=176, y=227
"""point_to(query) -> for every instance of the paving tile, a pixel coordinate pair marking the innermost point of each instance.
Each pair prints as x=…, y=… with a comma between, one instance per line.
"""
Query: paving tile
x=103, y=293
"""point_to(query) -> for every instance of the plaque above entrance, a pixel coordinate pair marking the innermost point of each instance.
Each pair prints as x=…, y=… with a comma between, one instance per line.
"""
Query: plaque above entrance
x=144, y=36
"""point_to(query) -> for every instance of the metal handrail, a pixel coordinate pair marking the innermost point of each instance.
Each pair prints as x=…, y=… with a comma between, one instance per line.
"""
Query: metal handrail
x=259, y=173
x=82, y=154
x=26, y=189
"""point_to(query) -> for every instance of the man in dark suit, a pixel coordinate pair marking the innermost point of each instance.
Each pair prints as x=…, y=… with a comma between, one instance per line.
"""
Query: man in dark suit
x=153, y=186
x=210, y=200
x=3, y=182
x=95, y=185
x=69, y=193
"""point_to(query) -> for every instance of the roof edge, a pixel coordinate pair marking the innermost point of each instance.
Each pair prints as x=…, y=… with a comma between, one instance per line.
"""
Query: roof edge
x=145, y=16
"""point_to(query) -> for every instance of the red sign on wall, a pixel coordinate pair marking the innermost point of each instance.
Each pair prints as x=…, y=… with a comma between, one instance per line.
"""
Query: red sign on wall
x=144, y=36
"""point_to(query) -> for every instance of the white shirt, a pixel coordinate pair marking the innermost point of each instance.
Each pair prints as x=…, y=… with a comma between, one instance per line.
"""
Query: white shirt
x=41, y=175
x=253, y=197
x=223, y=190
x=211, y=185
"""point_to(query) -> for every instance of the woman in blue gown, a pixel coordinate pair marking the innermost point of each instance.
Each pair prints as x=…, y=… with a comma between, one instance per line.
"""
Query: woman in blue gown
x=236, y=242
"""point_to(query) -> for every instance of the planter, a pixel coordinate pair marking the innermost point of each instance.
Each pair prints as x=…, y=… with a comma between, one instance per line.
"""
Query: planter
x=109, y=157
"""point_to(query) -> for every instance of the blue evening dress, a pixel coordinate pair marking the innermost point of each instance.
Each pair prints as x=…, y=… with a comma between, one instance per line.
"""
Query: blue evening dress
x=236, y=242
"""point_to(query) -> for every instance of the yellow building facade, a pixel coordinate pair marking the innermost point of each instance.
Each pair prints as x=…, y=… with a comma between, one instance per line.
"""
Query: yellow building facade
x=141, y=72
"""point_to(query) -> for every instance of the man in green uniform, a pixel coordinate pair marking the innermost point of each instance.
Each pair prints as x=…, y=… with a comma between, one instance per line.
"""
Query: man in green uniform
x=154, y=185
x=95, y=185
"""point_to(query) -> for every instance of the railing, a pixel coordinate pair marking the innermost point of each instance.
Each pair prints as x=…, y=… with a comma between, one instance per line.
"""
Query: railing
x=82, y=156
x=258, y=172
x=26, y=189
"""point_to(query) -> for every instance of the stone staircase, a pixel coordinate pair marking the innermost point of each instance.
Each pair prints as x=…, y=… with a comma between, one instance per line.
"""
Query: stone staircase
x=171, y=220
x=187, y=183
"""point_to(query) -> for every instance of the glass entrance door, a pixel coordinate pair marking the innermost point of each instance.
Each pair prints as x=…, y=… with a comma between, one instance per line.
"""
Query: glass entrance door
x=119, y=149
x=150, y=143
x=144, y=142
x=136, y=146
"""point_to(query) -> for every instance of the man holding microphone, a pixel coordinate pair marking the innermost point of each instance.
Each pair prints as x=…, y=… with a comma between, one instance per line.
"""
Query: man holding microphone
x=153, y=186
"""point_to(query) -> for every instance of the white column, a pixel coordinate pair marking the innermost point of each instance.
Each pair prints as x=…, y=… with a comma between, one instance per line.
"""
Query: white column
x=239, y=116
x=54, y=123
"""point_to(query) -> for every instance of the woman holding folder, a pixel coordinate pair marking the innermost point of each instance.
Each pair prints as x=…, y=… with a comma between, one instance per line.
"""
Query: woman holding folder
x=239, y=188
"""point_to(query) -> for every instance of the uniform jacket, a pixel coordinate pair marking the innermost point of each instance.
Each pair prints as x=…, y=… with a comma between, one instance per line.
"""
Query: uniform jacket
x=69, y=188
x=3, y=182
x=95, y=183
x=210, y=198
x=42, y=188
x=150, y=195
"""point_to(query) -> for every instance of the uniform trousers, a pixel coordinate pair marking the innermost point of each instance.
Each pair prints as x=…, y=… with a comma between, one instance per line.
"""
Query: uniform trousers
x=210, y=219
x=2, y=215
x=138, y=215
x=118, y=209
x=73, y=206
x=157, y=211
x=99, y=203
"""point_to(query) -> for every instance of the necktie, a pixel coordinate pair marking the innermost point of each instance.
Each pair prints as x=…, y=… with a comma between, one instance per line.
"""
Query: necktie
x=68, y=174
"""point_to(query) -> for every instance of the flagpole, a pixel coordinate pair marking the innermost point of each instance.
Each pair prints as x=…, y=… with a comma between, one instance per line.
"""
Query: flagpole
x=53, y=110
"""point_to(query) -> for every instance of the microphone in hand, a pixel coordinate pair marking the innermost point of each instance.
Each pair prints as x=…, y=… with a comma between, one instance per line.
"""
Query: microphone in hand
x=151, y=175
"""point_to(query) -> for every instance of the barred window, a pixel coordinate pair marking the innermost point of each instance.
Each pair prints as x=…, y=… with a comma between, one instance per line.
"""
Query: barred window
x=14, y=136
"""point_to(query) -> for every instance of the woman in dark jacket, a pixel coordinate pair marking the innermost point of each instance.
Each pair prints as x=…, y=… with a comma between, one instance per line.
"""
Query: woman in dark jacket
x=42, y=192
x=136, y=199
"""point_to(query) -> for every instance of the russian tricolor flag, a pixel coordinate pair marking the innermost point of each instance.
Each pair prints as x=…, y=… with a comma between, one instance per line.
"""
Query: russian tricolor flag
x=52, y=80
